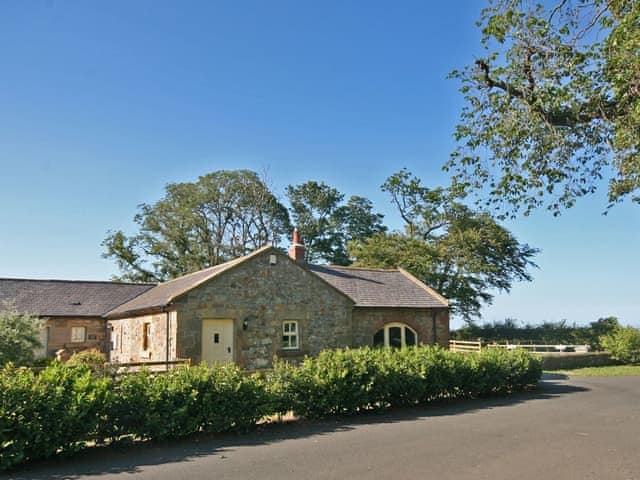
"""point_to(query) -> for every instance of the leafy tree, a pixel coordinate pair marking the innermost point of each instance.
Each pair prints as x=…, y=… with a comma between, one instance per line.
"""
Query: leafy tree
x=623, y=343
x=552, y=106
x=463, y=254
x=223, y=215
x=327, y=224
x=18, y=336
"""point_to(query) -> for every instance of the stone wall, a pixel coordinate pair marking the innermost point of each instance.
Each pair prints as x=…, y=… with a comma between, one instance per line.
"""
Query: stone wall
x=368, y=320
x=58, y=334
x=126, y=338
x=264, y=295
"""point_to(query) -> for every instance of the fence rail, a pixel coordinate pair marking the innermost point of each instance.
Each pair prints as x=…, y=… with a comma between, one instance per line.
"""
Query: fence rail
x=159, y=366
x=465, y=346
x=542, y=348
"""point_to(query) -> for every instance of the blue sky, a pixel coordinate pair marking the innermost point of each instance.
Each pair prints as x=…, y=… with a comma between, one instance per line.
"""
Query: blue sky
x=102, y=104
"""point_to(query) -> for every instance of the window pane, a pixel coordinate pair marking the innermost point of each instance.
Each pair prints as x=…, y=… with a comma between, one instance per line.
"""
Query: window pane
x=378, y=338
x=286, y=327
x=395, y=337
x=410, y=337
x=78, y=334
x=292, y=327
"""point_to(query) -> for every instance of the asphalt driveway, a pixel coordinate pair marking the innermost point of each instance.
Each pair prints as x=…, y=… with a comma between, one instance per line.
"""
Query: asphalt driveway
x=582, y=428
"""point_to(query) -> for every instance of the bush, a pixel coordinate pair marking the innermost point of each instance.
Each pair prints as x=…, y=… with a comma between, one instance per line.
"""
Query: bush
x=67, y=405
x=350, y=381
x=623, y=344
x=92, y=358
x=54, y=412
x=545, y=333
x=198, y=399
x=18, y=336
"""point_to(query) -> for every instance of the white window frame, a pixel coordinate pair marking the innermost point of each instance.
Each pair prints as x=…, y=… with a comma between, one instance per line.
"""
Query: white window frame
x=115, y=341
x=292, y=336
x=146, y=336
x=75, y=338
x=403, y=333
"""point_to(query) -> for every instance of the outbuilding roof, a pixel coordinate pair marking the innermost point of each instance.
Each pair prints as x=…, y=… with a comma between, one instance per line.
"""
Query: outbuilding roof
x=164, y=293
x=366, y=287
x=67, y=298
x=370, y=287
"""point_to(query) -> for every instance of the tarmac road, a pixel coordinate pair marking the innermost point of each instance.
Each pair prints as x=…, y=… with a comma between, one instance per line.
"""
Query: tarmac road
x=582, y=428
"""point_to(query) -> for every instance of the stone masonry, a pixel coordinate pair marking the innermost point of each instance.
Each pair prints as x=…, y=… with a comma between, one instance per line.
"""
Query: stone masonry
x=264, y=295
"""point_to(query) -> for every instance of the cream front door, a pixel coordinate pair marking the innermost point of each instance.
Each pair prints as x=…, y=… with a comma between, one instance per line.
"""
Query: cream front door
x=217, y=341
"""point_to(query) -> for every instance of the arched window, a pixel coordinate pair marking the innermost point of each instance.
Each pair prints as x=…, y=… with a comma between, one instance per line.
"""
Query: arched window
x=395, y=335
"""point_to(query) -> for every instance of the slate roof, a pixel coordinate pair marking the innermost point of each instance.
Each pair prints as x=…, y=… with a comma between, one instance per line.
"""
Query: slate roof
x=66, y=298
x=164, y=293
x=370, y=287
x=366, y=287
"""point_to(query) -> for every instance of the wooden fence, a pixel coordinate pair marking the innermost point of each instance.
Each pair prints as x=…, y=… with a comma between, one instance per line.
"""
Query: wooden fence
x=160, y=366
x=465, y=346
x=542, y=348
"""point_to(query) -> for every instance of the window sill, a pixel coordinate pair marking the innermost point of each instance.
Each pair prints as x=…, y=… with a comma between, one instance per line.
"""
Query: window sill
x=290, y=352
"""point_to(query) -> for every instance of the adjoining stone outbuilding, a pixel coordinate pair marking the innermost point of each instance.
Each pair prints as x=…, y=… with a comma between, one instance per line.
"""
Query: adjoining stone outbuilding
x=269, y=304
x=72, y=310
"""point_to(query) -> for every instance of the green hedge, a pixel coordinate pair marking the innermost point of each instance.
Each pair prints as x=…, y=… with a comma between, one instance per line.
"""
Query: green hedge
x=61, y=409
x=350, y=381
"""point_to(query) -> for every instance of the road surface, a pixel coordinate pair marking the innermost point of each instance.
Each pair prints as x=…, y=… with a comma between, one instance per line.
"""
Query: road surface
x=582, y=428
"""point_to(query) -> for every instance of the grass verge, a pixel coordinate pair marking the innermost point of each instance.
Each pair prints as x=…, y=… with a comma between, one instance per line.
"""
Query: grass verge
x=607, y=371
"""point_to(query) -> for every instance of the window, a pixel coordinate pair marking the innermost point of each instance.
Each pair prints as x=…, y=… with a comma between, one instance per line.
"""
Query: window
x=396, y=335
x=78, y=334
x=113, y=334
x=146, y=335
x=290, y=334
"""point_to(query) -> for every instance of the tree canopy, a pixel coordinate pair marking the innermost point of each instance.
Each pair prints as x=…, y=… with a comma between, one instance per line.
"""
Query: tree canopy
x=326, y=223
x=221, y=216
x=18, y=336
x=552, y=106
x=464, y=254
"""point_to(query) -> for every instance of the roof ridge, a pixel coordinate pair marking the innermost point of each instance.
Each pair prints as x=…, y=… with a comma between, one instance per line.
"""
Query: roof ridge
x=61, y=280
x=228, y=263
x=349, y=267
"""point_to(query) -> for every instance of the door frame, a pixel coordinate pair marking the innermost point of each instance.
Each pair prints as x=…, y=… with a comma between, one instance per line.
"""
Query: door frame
x=229, y=321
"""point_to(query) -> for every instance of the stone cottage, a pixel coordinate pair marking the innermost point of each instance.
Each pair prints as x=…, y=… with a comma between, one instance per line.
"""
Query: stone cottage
x=267, y=303
x=72, y=311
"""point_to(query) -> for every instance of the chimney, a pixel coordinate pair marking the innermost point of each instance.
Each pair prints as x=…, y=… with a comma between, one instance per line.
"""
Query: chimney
x=296, y=250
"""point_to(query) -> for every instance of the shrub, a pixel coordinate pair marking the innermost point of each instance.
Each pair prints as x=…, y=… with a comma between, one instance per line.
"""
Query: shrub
x=92, y=358
x=18, y=336
x=68, y=405
x=623, y=344
x=57, y=411
x=349, y=381
x=545, y=333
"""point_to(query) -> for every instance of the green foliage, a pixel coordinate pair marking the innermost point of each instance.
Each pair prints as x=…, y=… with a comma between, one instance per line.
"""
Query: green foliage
x=351, y=381
x=65, y=406
x=545, y=333
x=18, y=336
x=223, y=215
x=198, y=399
x=464, y=254
x=327, y=224
x=553, y=104
x=55, y=412
x=623, y=344
x=92, y=358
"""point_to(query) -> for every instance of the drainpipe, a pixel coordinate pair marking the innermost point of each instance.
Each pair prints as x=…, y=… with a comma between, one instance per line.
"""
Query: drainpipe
x=166, y=347
x=433, y=324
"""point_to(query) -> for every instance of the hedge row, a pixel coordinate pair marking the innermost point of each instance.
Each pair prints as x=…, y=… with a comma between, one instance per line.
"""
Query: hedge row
x=61, y=409
x=350, y=381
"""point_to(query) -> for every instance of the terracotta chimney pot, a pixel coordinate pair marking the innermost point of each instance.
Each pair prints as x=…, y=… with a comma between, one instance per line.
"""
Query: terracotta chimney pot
x=296, y=250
